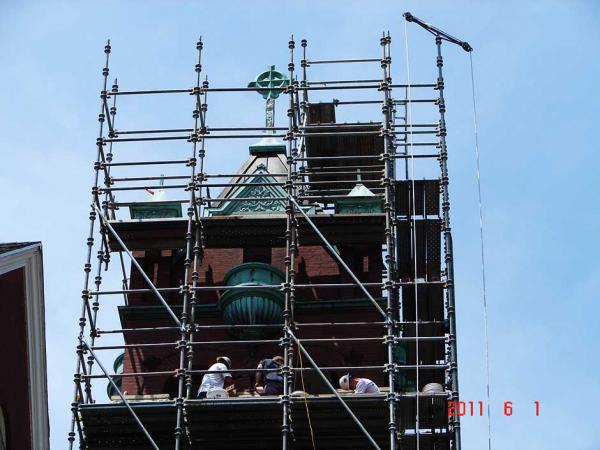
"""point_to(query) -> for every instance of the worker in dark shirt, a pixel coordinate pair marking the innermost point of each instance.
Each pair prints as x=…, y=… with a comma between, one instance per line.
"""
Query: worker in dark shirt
x=271, y=382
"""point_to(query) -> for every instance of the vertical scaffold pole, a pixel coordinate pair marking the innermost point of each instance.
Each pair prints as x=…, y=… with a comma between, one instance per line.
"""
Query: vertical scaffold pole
x=448, y=252
x=103, y=254
x=109, y=197
x=85, y=294
x=190, y=244
x=199, y=119
x=290, y=257
x=388, y=206
x=303, y=108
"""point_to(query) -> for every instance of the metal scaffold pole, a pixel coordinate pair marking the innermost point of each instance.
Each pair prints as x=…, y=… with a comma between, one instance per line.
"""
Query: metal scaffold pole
x=103, y=254
x=109, y=197
x=448, y=251
x=290, y=257
x=452, y=353
x=78, y=395
x=388, y=207
x=198, y=250
x=191, y=243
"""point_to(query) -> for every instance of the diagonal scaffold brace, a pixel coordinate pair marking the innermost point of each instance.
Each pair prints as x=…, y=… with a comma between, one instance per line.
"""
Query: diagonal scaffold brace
x=337, y=256
x=138, y=267
x=330, y=386
x=118, y=391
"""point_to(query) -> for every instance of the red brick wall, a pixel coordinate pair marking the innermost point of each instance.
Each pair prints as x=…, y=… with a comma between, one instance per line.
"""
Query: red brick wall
x=163, y=267
x=313, y=265
x=14, y=386
x=247, y=356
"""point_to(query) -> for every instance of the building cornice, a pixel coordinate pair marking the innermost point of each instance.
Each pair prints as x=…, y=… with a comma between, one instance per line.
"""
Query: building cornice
x=30, y=259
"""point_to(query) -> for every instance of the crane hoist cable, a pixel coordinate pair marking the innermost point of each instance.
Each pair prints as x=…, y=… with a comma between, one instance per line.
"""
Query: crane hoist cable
x=482, y=242
x=466, y=47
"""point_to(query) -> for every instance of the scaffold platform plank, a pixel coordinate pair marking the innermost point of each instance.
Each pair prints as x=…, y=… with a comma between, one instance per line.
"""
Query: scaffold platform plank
x=254, y=422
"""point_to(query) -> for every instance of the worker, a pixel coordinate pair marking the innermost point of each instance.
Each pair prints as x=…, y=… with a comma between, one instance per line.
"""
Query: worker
x=219, y=378
x=269, y=383
x=358, y=385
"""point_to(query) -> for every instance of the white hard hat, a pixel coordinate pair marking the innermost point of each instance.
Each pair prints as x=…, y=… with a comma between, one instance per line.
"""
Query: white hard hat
x=226, y=360
x=345, y=382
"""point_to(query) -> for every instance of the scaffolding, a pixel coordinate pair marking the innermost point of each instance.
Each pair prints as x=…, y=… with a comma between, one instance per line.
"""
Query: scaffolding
x=417, y=277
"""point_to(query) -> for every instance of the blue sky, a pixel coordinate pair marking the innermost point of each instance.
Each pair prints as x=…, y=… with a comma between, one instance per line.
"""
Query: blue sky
x=537, y=71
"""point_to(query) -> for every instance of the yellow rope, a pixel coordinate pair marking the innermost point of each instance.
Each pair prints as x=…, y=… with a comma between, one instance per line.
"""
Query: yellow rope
x=312, y=435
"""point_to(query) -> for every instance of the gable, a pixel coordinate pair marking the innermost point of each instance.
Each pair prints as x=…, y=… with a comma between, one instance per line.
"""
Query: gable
x=262, y=199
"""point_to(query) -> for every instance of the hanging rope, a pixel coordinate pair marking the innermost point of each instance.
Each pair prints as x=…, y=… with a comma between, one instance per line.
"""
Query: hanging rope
x=483, y=278
x=414, y=230
x=312, y=434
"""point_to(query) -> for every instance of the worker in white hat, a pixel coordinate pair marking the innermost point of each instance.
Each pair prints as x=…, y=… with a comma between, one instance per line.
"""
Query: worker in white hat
x=217, y=378
x=358, y=385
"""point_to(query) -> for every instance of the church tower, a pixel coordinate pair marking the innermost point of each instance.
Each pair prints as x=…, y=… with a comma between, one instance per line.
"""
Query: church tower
x=325, y=247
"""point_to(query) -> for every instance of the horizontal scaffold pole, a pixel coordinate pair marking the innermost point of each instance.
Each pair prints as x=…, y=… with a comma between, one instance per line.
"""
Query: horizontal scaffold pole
x=138, y=267
x=297, y=88
x=397, y=367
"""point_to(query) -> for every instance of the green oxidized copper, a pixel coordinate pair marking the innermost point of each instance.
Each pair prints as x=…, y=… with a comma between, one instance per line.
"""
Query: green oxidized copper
x=360, y=200
x=153, y=210
x=118, y=369
x=158, y=208
x=264, y=197
x=269, y=83
x=253, y=305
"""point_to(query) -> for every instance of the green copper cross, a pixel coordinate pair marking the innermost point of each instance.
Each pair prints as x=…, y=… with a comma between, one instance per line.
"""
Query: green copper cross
x=270, y=84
